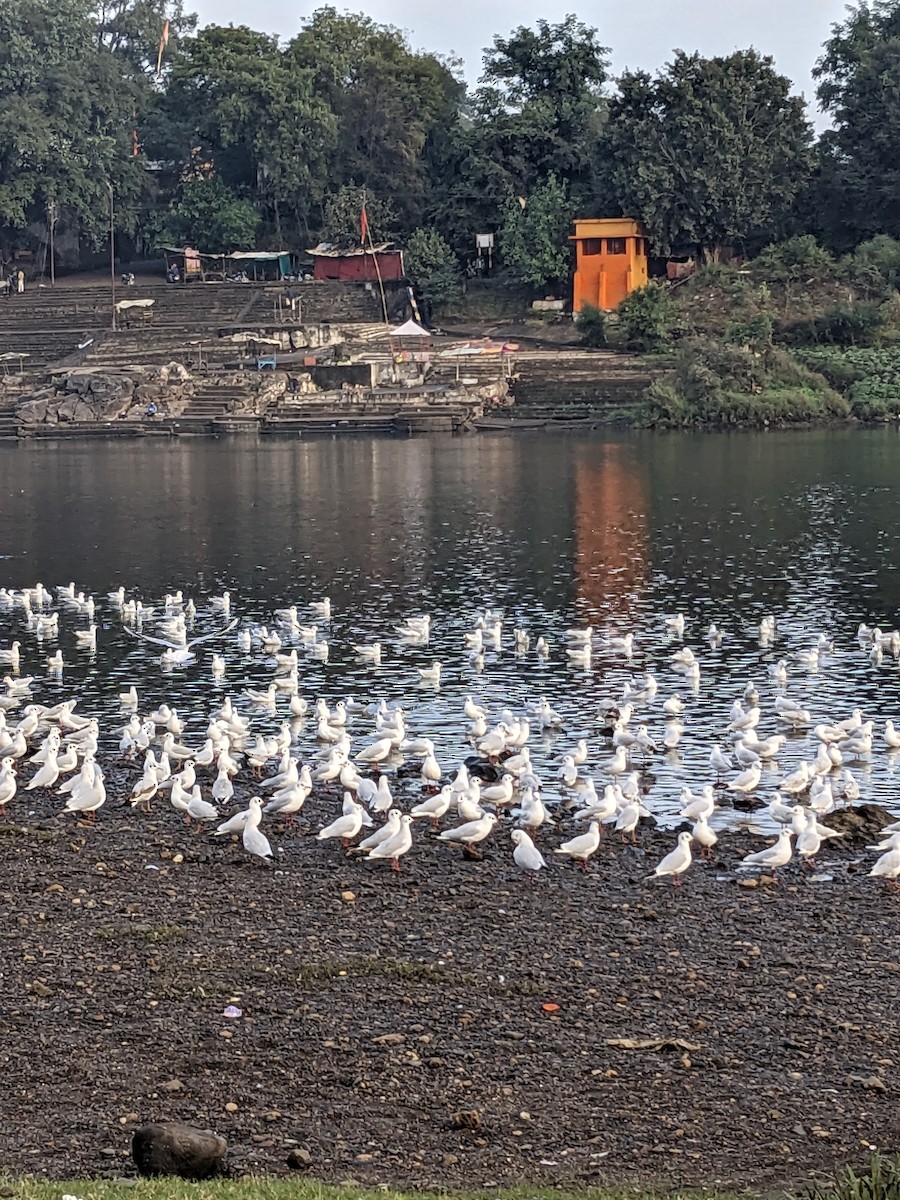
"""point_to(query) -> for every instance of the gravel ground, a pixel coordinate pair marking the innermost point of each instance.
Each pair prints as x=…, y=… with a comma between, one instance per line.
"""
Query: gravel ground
x=458, y=1025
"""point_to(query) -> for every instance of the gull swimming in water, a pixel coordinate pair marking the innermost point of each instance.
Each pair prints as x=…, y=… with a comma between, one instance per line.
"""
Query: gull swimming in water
x=178, y=653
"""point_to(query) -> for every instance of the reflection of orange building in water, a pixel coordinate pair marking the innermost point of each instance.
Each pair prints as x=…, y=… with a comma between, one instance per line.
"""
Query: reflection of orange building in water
x=611, y=539
x=611, y=261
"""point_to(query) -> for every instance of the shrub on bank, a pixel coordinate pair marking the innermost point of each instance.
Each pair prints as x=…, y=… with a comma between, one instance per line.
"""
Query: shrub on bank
x=648, y=317
x=722, y=384
x=591, y=326
x=868, y=378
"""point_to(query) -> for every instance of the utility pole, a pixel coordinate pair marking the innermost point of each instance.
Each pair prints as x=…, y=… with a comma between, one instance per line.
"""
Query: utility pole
x=112, y=254
x=51, y=218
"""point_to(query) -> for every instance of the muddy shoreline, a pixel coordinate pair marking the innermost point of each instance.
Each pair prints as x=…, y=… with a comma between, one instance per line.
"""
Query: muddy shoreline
x=397, y=1028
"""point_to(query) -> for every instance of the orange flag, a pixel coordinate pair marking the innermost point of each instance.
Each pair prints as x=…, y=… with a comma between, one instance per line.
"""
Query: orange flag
x=163, y=42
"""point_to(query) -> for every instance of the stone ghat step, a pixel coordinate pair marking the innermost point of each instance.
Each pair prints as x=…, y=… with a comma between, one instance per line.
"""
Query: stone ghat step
x=106, y=429
x=328, y=425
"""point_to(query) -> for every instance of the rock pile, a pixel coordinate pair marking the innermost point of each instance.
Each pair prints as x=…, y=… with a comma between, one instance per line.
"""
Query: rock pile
x=84, y=394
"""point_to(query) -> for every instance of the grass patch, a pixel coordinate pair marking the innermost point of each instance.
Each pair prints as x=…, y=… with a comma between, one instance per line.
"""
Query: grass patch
x=263, y=1188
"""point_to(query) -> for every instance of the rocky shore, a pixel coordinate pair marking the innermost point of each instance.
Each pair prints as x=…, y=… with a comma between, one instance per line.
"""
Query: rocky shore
x=459, y=1025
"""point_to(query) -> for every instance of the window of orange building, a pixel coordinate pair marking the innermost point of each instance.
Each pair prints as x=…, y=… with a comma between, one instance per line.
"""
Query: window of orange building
x=615, y=245
x=591, y=246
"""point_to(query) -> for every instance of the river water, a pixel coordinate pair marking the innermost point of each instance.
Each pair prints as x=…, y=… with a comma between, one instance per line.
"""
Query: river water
x=552, y=530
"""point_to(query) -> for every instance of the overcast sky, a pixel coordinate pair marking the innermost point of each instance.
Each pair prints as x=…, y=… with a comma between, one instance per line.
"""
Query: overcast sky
x=642, y=33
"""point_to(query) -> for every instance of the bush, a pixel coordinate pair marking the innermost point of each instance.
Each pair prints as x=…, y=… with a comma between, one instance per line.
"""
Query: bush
x=432, y=265
x=721, y=384
x=534, y=234
x=882, y=255
x=648, y=317
x=755, y=334
x=795, y=259
x=842, y=325
x=591, y=325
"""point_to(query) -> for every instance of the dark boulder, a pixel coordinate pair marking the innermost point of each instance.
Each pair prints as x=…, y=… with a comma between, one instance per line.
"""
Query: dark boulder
x=170, y=1148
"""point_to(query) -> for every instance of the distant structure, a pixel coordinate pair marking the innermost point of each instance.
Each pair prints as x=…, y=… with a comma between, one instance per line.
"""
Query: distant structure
x=361, y=263
x=611, y=261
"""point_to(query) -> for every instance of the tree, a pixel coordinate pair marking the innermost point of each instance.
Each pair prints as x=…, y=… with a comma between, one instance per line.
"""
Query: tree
x=538, y=112
x=210, y=217
x=342, y=218
x=709, y=154
x=534, y=234
x=131, y=30
x=388, y=104
x=860, y=155
x=65, y=120
x=548, y=82
x=432, y=265
x=237, y=106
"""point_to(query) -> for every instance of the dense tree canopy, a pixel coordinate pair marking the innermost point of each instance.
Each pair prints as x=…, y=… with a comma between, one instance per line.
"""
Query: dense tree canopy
x=858, y=85
x=711, y=153
x=65, y=117
x=241, y=136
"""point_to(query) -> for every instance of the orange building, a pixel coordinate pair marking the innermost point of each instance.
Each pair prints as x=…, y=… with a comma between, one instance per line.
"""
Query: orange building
x=612, y=259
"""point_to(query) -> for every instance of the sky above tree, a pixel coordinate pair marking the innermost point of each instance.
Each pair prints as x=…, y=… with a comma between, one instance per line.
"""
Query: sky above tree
x=642, y=33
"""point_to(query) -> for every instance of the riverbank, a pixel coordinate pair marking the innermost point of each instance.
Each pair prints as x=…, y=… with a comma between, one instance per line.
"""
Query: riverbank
x=457, y=1026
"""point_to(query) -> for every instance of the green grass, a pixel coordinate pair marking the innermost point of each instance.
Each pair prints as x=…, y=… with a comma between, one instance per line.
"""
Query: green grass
x=299, y=1188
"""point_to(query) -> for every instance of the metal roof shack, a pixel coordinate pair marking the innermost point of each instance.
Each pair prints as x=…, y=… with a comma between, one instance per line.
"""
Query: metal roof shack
x=361, y=263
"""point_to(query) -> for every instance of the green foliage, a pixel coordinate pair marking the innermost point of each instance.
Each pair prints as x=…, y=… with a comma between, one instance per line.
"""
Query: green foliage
x=720, y=384
x=341, y=221
x=210, y=217
x=846, y=325
x=860, y=154
x=591, y=325
x=65, y=119
x=881, y=255
x=538, y=113
x=534, y=235
x=432, y=265
x=792, y=260
x=711, y=153
x=389, y=107
x=648, y=317
x=235, y=105
x=869, y=378
x=880, y=1182
x=754, y=334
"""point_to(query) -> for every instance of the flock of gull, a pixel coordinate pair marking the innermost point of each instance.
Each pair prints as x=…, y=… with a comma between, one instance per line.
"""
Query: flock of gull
x=359, y=762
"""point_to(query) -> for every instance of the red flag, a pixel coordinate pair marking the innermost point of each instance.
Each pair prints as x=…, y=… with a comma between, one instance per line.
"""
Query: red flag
x=163, y=42
x=363, y=225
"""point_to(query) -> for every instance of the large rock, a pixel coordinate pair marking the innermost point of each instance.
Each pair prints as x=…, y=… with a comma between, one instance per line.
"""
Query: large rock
x=66, y=408
x=170, y=1148
x=78, y=382
x=111, y=385
x=33, y=412
x=84, y=412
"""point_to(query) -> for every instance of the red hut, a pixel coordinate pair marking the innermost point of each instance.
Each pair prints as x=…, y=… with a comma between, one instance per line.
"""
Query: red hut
x=359, y=264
